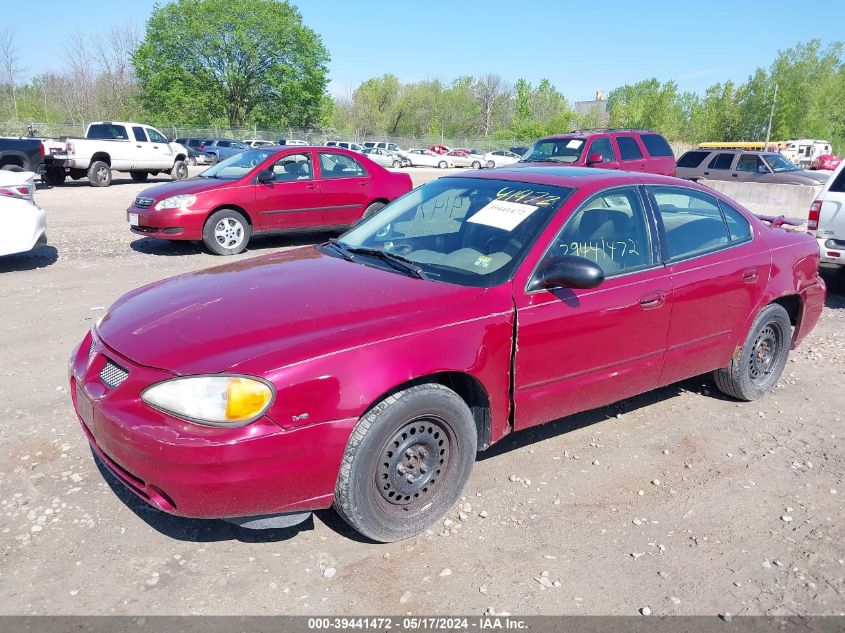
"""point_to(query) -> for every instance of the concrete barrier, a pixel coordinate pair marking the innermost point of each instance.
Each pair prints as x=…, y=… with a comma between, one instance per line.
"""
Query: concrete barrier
x=769, y=199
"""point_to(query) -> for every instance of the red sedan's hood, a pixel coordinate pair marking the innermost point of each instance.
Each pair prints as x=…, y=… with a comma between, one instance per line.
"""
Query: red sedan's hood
x=301, y=300
x=191, y=185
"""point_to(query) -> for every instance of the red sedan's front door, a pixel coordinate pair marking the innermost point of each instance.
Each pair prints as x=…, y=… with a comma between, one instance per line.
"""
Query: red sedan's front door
x=292, y=200
x=580, y=349
x=345, y=186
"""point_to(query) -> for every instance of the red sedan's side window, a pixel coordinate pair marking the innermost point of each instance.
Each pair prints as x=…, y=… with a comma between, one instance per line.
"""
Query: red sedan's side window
x=293, y=167
x=340, y=166
x=692, y=220
x=611, y=229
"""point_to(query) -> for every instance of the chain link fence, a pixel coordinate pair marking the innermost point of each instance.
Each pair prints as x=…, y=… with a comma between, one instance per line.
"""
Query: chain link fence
x=314, y=137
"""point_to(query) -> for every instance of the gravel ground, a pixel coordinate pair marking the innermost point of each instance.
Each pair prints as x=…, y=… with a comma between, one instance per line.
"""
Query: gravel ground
x=681, y=500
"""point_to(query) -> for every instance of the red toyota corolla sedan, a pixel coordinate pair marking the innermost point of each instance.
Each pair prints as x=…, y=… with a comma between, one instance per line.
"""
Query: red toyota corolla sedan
x=266, y=190
x=366, y=372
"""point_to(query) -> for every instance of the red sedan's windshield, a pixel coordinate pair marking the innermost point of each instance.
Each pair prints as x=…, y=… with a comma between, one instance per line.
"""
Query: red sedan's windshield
x=237, y=166
x=466, y=231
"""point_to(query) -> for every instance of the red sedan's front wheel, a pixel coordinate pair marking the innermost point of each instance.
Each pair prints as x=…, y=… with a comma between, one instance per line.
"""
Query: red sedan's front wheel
x=406, y=463
x=226, y=232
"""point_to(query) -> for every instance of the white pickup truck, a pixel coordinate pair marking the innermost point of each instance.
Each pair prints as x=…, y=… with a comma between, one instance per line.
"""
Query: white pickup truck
x=129, y=147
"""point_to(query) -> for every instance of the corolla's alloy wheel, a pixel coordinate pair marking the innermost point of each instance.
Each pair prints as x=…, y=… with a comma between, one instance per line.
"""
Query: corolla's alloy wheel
x=406, y=463
x=490, y=164
x=226, y=232
x=99, y=174
x=757, y=368
x=442, y=164
x=370, y=210
x=179, y=171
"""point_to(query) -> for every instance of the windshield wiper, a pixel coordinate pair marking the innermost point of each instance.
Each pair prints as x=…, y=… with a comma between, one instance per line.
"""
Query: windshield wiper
x=339, y=247
x=397, y=261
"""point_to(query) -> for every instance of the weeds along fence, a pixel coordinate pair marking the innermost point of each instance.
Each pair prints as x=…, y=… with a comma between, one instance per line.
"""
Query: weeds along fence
x=315, y=137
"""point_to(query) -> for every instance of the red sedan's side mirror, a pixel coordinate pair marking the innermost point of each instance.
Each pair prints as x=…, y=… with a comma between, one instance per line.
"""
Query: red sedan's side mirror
x=265, y=176
x=567, y=271
x=592, y=159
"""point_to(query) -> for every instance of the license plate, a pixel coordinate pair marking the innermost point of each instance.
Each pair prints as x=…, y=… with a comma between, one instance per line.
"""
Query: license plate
x=133, y=219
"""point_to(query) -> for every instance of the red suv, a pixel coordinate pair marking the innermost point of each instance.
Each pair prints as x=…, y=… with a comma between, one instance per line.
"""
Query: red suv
x=630, y=150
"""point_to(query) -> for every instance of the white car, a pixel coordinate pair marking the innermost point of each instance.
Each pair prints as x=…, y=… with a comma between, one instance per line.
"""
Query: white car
x=500, y=157
x=292, y=141
x=465, y=159
x=351, y=146
x=827, y=221
x=24, y=222
x=257, y=142
x=427, y=158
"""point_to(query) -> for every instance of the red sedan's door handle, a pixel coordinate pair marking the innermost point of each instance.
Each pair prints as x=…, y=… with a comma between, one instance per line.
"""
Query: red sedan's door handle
x=310, y=186
x=652, y=300
x=363, y=183
x=750, y=275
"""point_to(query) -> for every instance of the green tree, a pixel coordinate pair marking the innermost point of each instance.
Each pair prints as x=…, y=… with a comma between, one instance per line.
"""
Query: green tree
x=240, y=62
x=522, y=96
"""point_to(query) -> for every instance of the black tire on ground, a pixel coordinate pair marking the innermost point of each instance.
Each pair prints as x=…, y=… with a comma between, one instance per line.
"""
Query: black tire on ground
x=370, y=210
x=406, y=463
x=138, y=176
x=442, y=164
x=757, y=368
x=396, y=164
x=212, y=159
x=226, y=232
x=11, y=168
x=54, y=176
x=476, y=164
x=490, y=164
x=99, y=174
x=180, y=170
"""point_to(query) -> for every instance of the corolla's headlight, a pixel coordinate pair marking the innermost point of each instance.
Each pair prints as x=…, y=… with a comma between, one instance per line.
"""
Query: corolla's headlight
x=181, y=201
x=212, y=400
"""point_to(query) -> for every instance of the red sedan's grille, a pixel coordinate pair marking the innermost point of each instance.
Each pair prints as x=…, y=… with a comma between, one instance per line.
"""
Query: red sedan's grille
x=143, y=203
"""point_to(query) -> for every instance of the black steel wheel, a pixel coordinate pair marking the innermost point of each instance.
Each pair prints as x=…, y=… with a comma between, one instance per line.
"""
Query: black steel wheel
x=756, y=369
x=406, y=462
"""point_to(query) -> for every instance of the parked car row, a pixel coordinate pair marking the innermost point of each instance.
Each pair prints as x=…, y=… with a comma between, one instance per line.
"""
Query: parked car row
x=744, y=166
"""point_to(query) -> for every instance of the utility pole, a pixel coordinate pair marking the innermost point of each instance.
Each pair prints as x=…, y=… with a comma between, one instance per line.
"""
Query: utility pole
x=771, y=114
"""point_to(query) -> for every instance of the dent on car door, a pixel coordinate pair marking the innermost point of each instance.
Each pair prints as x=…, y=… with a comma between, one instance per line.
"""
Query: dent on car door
x=718, y=272
x=578, y=349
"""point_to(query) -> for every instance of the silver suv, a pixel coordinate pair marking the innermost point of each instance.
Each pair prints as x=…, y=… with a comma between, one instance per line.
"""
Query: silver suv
x=744, y=166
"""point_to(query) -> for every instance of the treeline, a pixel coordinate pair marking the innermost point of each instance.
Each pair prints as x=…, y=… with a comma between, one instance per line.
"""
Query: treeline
x=155, y=78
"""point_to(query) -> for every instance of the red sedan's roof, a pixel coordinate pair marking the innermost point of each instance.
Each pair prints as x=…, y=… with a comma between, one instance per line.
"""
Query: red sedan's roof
x=575, y=177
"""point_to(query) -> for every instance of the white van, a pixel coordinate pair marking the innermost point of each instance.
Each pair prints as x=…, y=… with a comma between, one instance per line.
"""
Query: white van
x=827, y=219
x=804, y=151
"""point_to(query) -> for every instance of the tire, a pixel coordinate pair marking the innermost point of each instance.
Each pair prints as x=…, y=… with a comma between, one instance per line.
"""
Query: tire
x=226, y=232
x=370, y=210
x=16, y=168
x=396, y=164
x=442, y=164
x=138, y=176
x=192, y=161
x=180, y=170
x=490, y=164
x=212, y=159
x=54, y=176
x=435, y=434
x=757, y=368
x=476, y=164
x=99, y=174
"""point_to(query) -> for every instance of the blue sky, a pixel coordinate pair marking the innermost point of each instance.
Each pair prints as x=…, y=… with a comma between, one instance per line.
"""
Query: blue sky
x=580, y=46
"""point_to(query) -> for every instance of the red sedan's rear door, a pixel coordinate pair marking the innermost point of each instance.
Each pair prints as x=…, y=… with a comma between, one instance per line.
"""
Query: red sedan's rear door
x=580, y=349
x=292, y=200
x=346, y=188
x=719, y=274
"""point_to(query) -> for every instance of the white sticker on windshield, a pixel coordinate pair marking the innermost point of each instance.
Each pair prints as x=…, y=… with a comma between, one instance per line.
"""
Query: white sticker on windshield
x=502, y=214
x=574, y=143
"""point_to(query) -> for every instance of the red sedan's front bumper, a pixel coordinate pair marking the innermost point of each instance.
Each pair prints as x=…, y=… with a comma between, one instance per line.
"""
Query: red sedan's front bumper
x=193, y=470
x=168, y=224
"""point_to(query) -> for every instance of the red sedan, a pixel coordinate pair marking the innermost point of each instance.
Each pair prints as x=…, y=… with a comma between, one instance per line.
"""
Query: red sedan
x=266, y=190
x=366, y=372
x=826, y=161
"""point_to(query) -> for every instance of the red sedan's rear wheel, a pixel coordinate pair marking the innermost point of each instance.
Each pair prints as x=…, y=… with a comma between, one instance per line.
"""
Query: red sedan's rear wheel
x=406, y=463
x=763, y=356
